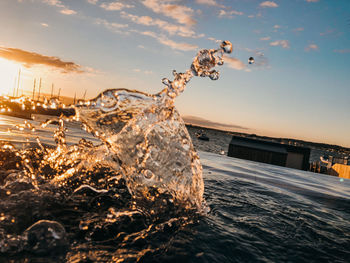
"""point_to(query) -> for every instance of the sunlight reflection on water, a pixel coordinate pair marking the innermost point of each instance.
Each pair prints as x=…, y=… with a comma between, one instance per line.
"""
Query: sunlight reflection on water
x=14, y=130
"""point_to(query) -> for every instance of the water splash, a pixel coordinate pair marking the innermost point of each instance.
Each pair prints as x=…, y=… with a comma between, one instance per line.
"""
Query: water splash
x=202, y=65
x=141, y=181
x=146, y=137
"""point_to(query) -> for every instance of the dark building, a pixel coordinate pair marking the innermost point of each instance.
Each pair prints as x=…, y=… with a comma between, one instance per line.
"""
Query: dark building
x=269, y=152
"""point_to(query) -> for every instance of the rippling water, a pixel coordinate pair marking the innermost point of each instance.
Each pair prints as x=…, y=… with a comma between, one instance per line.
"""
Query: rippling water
x=265, y=213
x=255, y=213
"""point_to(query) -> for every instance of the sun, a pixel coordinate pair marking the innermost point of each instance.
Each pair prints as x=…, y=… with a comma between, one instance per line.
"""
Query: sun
x=8, y=73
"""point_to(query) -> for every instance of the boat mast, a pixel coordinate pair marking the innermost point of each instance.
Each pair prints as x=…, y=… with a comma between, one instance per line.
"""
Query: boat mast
x=14, y=87
x=34, y=89
x=84, y=95
x=39, y=90
x=51, y=91
x=18, y=80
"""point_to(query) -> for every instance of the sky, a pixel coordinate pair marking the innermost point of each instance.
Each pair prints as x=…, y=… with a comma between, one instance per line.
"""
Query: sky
x=298, y=87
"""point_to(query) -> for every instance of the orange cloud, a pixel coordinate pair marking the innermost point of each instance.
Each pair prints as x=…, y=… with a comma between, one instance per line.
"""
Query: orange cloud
x=115, y=6
x=282, y=43
x=172, y=29
x=29, y=59
x=170, y=43
x=209, y=3
x=265, y=38
x=311, y=47
x=229, y=14
x=64, y=10
x=269, y=4
x=68, y=12
x=180, y=13
x=93, y=2
x=234, y=63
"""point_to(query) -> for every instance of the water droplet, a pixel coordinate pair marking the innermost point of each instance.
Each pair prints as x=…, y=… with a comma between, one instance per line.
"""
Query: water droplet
x=226, y=46
x=214, y=75
x=251, y=60
x=166, y=82
x=147, y=174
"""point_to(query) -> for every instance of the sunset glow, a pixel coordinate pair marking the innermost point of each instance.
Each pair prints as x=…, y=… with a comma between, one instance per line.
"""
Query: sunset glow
x=297, y=87
x=8, y=76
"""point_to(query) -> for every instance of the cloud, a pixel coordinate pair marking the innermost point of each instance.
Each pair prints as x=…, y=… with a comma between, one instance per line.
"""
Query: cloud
x=282, y=43
x=342, y=51
x=170, y=43
x=260, y=60
x=172, y=29
x=44, y=24
x=180, y=13
x=234, y=63
x=265, y=38
x=331, y=32
x=93, y=2
x=299, y=29
x=57, y=3
x=311, y=47
x=276, y=26
x=268, y=4
x=29, y=59
x=211, y=124
x=115, y=6
x=214, y=39
x=209, y=3
x=147, y=72
x=64, y=10
x=312, y=1
x=121, y=29
x=175, y=45
x=68, y=12
x=114, y=27
x=229, y=14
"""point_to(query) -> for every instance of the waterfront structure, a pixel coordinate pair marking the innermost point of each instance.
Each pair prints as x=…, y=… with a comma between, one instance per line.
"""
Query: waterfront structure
x=269, y=152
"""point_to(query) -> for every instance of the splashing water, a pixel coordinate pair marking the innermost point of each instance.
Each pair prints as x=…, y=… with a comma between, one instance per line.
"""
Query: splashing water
x=145, y=149
x=145, y=138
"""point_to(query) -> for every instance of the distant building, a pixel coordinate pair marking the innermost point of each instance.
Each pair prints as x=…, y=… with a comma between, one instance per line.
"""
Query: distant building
x=269, y=152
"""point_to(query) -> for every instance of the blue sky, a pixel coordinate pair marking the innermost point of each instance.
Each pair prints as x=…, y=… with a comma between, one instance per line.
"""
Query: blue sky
x=298, y=87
